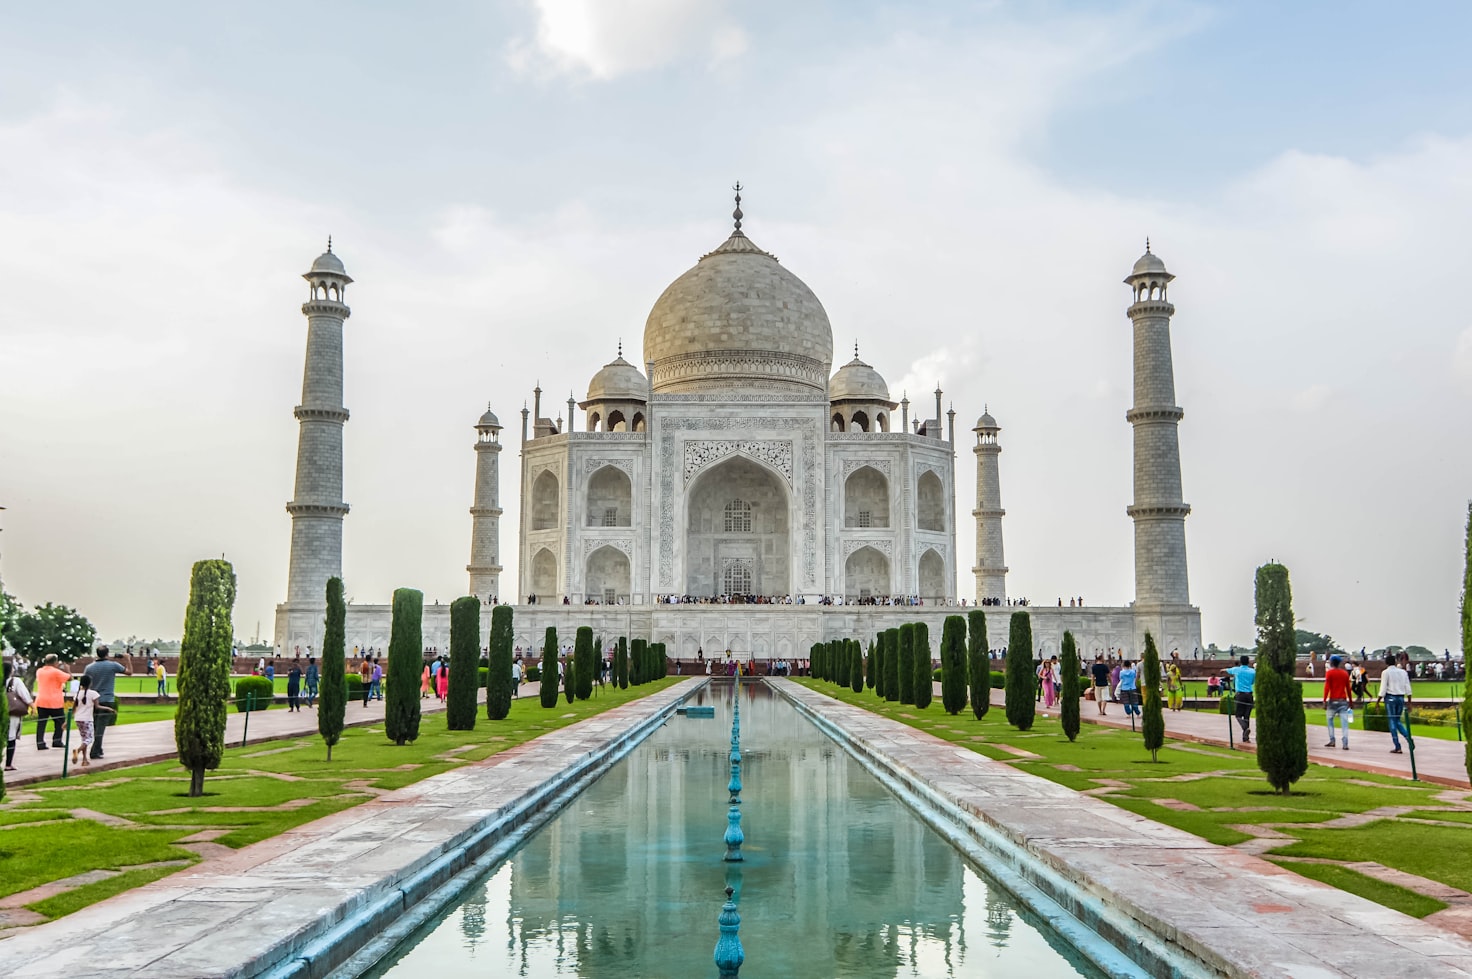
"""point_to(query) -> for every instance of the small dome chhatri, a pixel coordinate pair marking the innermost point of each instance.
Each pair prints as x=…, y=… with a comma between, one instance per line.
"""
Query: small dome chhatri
x=857, y=381
x=328, y=262
x=618, y=381
x=1149, y=264
x=489, y=420
x=986, y=423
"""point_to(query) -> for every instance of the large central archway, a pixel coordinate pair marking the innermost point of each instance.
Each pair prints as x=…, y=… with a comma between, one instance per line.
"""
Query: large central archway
x=737, y=531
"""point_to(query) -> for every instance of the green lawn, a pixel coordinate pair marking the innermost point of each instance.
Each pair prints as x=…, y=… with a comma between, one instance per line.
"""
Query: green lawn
x=153, y=798
x=1229, y=796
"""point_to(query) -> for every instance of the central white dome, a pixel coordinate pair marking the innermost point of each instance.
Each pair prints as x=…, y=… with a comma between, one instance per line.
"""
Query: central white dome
x=738, y=322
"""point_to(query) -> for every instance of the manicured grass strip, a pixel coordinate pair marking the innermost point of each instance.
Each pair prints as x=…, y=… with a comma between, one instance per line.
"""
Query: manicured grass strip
x=74, y=900
x=1437, y=853
x=36, y=855
x=33, y=816
x=270, y=788
x=1448, y=816
x=1390, y=895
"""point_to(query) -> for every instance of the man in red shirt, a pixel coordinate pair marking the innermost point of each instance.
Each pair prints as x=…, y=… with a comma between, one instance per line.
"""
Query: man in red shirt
x=1336, y=700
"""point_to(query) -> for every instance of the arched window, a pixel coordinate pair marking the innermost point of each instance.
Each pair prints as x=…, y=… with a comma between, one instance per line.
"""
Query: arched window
x=736, y=577
x=932, y=507
x=837, y=425
x=738, y=517
x=638, y=422
x=860, y=422
x=545, y=501
x=616, y=421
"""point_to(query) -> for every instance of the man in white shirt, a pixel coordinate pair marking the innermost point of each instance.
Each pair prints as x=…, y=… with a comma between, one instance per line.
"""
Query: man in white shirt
x=1395, y=691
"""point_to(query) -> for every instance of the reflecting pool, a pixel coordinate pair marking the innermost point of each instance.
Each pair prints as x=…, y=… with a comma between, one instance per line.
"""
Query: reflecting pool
x=840, y=878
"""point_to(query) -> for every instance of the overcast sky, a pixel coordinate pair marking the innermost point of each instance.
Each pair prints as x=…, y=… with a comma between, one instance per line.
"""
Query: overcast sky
x=963, y=185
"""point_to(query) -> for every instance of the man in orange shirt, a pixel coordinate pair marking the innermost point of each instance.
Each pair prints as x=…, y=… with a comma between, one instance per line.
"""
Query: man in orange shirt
x=1336, y=700
x=50, y=701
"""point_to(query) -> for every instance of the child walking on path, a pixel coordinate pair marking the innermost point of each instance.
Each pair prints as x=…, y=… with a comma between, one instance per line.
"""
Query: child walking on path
x=85, y=714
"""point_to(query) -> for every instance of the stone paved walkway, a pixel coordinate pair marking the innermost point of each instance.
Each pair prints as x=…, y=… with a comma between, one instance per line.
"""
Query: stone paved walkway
x=150, y=741
x=1437, y=759
x=252, y=910
x=1236, y=912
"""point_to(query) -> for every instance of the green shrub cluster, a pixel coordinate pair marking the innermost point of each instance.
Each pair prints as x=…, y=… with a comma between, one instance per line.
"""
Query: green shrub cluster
x=253, y=693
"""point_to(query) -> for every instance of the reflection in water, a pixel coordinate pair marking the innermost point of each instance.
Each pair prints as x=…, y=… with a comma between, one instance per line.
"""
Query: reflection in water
x=839, y=877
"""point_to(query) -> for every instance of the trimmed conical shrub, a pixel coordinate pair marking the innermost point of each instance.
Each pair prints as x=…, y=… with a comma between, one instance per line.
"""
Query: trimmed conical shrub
x=621, y=663
x=405, y=664
x=1152, y=718
x=1282, y=737
x=891, y=639
x=924, y=666
x=978, y=663
x=1021, y=680
x=464, y=664
x=204, y=671
x=953, y=664
x=583, y=662
x=333, y=700
x=907, y=663
x=1068, y=663
x=550, y=676
x=498, y=666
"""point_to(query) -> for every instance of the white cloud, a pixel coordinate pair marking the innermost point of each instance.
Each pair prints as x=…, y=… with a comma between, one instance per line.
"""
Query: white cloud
x=604, y=39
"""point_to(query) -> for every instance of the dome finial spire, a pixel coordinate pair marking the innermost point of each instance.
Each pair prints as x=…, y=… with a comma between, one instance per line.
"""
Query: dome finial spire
x=737, y=213
x=1147, y=244
x=620, y=346
x=329, y=244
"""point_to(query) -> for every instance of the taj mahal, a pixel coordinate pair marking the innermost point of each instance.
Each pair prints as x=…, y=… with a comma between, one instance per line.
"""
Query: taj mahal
x=738, y=493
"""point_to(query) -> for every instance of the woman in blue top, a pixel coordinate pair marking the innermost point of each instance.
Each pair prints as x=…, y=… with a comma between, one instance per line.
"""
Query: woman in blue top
x=1129, y=688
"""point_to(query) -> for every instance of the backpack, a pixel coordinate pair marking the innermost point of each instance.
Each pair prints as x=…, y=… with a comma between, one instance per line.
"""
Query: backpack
x=17, y=704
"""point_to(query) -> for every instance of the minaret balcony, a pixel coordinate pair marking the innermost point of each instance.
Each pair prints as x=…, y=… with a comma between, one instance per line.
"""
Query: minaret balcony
x=303, y=413
x=989, y=513
x=1172, y=510
x=486, y=511
x=317, y=509
x=1158, y=413
x=1150, y=307
x=326, y=307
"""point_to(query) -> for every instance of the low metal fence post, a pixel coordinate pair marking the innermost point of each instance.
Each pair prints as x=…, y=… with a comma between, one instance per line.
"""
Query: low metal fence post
x=66, y=748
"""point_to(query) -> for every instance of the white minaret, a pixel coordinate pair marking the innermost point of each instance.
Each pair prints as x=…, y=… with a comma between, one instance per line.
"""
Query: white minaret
x=991, y=566
x=485, y=523
x=1158, y=511
x=316, y=507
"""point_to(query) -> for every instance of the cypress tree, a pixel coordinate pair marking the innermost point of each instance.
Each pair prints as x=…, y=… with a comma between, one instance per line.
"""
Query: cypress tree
x=498, y=666
x=621, y=663
x=924, y=667
x=1021, y=689
x=978, y=663
x=333, y=690
x=548, y=690
x=953, y=664
x=464, y=664
x=1069, y=665
x=636, y=662
x=1467, y=643
x=815, y=661
x=891, y=639
x=664, y=660
x=204, y=670
x=870, y=666
x=856, y=676
x=1152, y=720
x=907, y=663
x=876, y=664
x=583, y=660
x=570, y=677
x=1282, y=738
x=405, y=664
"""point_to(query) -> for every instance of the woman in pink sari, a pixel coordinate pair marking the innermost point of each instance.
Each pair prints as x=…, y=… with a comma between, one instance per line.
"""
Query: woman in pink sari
x=443, y=681
x=1050, y=682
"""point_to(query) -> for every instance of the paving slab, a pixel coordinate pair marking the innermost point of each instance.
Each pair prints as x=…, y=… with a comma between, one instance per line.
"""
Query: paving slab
x=1237, y=914
x=259, y=910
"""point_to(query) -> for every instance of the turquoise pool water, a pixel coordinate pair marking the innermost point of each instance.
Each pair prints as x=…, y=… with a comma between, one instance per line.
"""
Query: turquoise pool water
x=840, y=877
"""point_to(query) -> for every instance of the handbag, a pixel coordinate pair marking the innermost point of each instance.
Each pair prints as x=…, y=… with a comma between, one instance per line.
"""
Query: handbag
x=17, y=705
